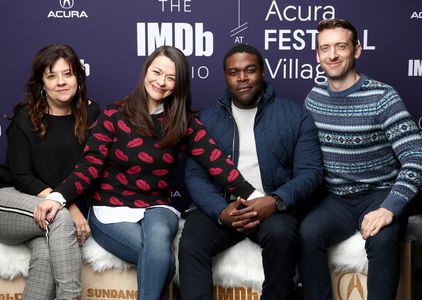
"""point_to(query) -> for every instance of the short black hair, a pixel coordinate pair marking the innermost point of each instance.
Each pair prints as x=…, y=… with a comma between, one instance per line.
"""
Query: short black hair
x=244, y=48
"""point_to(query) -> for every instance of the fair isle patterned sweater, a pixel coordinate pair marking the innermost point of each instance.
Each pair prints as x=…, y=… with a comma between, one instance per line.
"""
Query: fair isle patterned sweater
x=368, y=141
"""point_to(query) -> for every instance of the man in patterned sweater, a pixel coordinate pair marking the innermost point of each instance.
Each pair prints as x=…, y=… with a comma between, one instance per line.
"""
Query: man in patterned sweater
x=372, y=153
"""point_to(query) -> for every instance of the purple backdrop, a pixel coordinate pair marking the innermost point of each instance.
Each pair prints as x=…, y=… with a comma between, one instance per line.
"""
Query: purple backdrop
x=113, y=37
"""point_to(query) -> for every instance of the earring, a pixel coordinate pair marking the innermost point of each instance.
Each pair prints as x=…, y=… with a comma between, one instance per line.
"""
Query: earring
x=43, y=93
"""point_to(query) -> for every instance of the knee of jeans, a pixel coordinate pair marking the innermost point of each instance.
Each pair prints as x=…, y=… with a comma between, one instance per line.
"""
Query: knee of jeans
x=164, y=232
x=161, y=239
x=309, y=233
x=160, y=252
x=283, y=235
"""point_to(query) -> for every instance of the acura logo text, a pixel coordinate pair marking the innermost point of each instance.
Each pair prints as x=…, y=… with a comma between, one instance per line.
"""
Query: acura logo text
x=67, y=12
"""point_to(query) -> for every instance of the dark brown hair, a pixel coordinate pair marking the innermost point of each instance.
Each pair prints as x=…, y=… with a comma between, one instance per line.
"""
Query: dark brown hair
x=339, y=23
x=177, y=106
x=35, y=98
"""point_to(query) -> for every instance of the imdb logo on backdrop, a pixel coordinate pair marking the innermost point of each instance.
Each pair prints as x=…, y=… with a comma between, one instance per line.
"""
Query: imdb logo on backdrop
x=414, y=68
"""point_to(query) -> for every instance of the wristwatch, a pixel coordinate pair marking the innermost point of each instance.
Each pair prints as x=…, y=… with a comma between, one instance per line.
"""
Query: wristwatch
x=279, y=204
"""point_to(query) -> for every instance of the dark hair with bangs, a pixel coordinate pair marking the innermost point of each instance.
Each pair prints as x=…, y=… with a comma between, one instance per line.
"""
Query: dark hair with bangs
x=244, y=48
x=177, y=106
x=36, y=100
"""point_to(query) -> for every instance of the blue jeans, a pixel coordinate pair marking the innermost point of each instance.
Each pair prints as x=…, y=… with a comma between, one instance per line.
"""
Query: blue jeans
x=147, y=244
x=334, y=220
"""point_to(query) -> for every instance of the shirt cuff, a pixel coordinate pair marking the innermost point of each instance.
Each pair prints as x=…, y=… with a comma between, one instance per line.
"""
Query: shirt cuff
x=56, y=196
x=255, y=194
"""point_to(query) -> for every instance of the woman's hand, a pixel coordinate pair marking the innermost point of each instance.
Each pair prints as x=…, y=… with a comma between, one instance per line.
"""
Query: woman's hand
x=45, y=192
x=83, y=231
x=46, y=210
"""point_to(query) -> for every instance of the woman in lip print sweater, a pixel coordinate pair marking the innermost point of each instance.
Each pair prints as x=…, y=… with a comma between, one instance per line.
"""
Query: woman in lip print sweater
x=130, y=159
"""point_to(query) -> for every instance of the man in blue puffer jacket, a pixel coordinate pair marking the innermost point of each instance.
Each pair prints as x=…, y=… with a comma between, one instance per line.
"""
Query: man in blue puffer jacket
x=275, y=145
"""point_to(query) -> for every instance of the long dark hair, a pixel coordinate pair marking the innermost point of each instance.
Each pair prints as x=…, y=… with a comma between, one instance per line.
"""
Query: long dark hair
x=35, y=98
x=177, y=106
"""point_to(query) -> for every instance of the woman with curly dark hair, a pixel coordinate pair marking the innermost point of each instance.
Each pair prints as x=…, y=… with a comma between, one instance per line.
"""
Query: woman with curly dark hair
x=45, y=140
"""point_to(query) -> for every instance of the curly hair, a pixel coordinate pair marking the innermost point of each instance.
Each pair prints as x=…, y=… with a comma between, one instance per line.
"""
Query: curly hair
x=35, y=97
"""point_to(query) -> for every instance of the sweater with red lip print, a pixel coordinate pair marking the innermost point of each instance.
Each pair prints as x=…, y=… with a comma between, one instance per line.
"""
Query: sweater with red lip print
x=127, y=169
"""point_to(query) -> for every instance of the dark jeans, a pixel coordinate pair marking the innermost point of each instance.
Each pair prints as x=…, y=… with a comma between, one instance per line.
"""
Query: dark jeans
x=203, y=238
x=334, y=220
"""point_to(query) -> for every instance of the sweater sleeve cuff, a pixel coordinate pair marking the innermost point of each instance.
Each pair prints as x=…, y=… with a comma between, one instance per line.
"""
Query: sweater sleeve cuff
x=255, y=194
x=394, y=204
x=245, y=190
x=55, y=196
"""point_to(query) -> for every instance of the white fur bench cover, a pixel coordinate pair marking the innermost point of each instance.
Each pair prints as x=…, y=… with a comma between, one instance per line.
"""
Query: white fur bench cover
x=229, y=267
x=14, y=261
x=100, y=259
x=349, y=255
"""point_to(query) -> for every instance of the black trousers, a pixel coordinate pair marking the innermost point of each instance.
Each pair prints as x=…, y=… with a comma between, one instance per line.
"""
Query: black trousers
x=203, y=238
x=335, y=219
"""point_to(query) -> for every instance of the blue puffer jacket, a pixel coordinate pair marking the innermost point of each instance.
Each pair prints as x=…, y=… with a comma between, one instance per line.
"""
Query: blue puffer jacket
x=287, y=147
